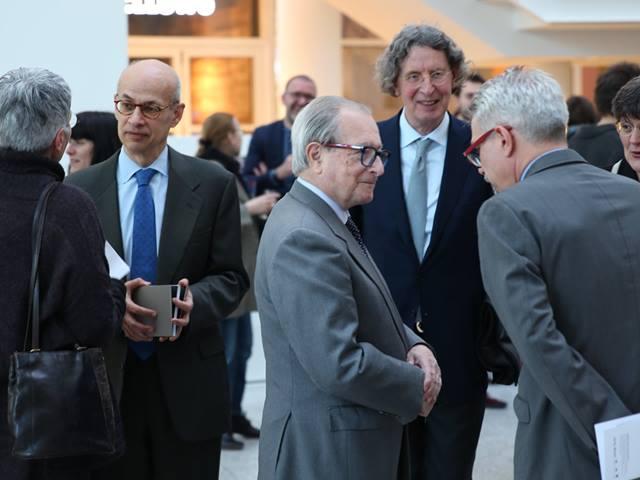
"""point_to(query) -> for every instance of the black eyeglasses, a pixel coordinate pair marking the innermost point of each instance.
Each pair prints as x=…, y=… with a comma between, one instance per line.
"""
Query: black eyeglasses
x=149, y=110
x=367, y=154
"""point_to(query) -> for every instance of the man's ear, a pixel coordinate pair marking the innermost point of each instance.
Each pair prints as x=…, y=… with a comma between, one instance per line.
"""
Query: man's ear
x=314, y=157
x=58, y=145
x=177, y=115
x=507, y=140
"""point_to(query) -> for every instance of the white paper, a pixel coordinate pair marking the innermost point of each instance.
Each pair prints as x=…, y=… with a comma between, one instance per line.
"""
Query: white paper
x=118, y=269
x=618, y=446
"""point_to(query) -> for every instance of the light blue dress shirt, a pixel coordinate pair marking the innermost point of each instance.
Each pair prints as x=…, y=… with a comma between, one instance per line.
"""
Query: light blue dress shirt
x=409, y=138
x=127, y=189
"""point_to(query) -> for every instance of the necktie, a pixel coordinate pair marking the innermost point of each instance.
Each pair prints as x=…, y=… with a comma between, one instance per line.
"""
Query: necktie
x=353, y=228
x=417, y=197
x=144, y=258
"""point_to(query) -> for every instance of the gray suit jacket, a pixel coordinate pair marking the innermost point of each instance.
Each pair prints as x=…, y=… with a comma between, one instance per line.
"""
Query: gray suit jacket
x=339, y=391
x=560, y=258
x=199, y=240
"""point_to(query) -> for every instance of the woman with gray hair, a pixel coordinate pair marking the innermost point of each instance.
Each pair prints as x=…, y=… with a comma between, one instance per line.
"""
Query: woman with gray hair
x=79, y=303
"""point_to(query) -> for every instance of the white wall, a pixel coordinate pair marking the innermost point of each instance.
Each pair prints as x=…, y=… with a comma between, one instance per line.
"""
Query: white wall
x=84, y=41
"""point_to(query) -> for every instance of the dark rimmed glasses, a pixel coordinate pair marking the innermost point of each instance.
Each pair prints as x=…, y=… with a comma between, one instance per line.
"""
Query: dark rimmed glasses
x=149, y=110
x=473, y=152
x=367, y=154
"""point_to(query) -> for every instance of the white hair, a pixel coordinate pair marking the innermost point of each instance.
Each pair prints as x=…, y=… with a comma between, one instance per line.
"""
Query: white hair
x=318, y=122
x=527, y=99
x=34, y=104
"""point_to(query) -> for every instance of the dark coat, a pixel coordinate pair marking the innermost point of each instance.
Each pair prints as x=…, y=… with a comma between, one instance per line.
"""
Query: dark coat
x=200, y=240
x=446, y=285
x=600, y=145
x=267, y=146
x=79, y=304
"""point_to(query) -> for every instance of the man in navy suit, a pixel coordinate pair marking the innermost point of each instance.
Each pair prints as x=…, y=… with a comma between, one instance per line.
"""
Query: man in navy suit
x=268, y=163
x=421, y=231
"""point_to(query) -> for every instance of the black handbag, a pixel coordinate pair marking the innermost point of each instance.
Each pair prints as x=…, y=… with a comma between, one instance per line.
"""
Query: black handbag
x=61, y=405
x=496, y=352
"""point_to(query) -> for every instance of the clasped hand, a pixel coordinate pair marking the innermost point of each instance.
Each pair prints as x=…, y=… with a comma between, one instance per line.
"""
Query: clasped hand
x=423, y=358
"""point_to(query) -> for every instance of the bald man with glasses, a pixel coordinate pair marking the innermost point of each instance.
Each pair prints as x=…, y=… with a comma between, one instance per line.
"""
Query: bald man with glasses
x=174, y=219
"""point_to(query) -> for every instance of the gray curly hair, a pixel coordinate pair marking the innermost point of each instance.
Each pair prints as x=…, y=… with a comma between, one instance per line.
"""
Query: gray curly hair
x=390, y=62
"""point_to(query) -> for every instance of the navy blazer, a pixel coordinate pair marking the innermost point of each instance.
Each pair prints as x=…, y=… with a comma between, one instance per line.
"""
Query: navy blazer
x=267, y=146
x=446, y=284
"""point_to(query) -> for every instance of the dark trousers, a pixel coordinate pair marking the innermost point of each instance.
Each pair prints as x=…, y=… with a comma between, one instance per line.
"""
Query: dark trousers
x=154, y=451
x=444, y=446
x=238, y=340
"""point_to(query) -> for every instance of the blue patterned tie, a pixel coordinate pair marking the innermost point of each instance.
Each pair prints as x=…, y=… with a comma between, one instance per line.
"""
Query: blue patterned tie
x=144, y=257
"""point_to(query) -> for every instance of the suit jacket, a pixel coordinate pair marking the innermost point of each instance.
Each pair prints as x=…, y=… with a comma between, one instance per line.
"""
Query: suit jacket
x=560, y=256
x=199, y=240
x=339, y=390
x=267, y=146
x=445, y=284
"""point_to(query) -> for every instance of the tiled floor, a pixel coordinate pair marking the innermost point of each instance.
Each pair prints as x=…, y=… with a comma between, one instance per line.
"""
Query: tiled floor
x=495, y=451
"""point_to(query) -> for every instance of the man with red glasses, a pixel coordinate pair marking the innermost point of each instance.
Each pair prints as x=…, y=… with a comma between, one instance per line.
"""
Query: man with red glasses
x=421, y=230
x=560, y=257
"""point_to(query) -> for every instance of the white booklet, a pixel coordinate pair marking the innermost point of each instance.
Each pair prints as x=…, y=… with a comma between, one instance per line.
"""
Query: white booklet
x=118, y=269
x=619, y=448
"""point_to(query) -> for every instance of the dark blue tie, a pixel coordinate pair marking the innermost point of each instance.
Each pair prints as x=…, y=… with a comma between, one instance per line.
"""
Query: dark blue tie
x=144, y=257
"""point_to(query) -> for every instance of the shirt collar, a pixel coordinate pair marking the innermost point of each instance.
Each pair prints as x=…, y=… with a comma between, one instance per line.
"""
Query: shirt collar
x=342, y=214
x=410, y=134
x=127, y=167
x=528, y=167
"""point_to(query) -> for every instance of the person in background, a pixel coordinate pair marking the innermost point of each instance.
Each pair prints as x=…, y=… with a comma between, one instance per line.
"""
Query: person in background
x=465, y=93
x=79, y=303
x=560, y=256
x=94, y=138
x=599, y=144
x=221, y=139
x=626, y=110
x=581, y=112
x=268, y=162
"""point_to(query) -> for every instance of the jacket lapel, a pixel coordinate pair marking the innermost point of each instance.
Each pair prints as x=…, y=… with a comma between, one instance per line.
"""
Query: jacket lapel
x=105, y=198
x=340, y=230
x=181, y=211
x=455, y=173
x=391, y=181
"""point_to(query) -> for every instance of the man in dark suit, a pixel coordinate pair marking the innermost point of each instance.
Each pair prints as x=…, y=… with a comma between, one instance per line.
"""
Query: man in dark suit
x=421, y=231
x=174, y=392
x=560, y=254
x=268, y=163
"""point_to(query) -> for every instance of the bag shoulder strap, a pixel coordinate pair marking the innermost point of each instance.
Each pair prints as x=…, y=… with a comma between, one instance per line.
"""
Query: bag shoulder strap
x=33, y=315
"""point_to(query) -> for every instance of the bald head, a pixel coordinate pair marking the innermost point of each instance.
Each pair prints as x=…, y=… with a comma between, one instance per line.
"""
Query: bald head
x=154, y=71
x=148, y=101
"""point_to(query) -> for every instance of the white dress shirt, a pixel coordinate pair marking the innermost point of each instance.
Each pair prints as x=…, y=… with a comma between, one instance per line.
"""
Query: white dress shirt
x=409, y=138
x=127, y=189
x=342, y=214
